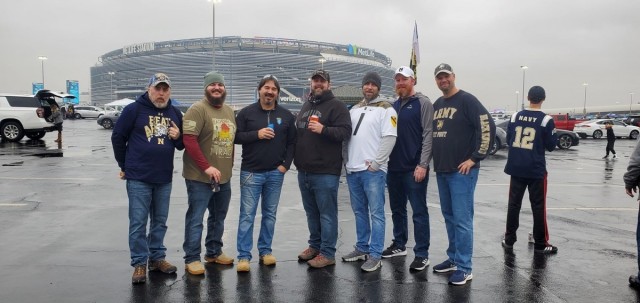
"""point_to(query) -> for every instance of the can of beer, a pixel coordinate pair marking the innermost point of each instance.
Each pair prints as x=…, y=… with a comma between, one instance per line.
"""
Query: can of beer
x=270, y=125
x=313, y=118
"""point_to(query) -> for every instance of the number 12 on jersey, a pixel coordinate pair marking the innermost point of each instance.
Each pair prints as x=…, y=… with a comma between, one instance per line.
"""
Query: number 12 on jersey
x=524, y=137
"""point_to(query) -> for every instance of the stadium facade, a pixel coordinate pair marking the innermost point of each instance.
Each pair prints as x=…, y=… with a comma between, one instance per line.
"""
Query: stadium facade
x=243, y=61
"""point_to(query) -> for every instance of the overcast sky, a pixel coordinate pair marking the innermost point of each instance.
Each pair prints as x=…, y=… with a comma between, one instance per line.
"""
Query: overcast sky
x=564, y=43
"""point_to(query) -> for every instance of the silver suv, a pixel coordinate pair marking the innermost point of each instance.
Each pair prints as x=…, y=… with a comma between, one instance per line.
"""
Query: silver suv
x=25, y=115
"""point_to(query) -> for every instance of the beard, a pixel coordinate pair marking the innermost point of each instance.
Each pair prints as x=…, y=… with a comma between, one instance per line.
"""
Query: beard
x=159, y=104
x=215, y=101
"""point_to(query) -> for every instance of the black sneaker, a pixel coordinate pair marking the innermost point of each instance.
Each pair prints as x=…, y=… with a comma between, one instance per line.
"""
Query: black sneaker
x=419, y=263
x=394, y=251
x=549, y=249
x=506, y=246
x=634, y=282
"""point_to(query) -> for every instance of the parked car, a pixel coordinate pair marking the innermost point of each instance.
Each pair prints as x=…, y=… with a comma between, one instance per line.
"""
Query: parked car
x=566, y=139
x=499, y=142
x=596, y=129
x=26, y=115
x=82, y=112
x=632, y=120
x=566, y=122
x=108, y=120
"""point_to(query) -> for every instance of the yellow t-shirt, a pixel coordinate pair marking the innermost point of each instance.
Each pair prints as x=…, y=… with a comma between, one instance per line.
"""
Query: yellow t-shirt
x=216, y=130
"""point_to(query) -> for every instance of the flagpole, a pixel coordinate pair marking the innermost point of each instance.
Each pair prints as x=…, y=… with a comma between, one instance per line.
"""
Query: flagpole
x=415, y=52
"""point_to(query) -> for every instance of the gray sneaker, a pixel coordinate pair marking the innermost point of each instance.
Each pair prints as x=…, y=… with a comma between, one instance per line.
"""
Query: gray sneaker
x=355, y=255
x=372, y=264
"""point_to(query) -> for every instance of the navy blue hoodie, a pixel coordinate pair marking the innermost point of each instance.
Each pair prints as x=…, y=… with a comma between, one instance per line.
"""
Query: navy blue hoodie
x=141, y=142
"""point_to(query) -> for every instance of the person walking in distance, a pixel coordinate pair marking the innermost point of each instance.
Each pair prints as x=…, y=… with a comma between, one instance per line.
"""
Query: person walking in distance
x=144, y=141
x=611, y=140
x=369, y=147
x=267, y=133
x=209, y=133
x=57, y=118
x=463, y=131
x=323, y=124
x=530, y=132
x=409, y=170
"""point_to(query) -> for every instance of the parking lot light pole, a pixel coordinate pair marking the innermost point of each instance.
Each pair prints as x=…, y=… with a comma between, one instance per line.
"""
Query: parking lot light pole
x=584, y=107
x=213, y=35
x=42, y=58
x=524, y=69
x=111, y=76
x=630, y=103
x=322, y=61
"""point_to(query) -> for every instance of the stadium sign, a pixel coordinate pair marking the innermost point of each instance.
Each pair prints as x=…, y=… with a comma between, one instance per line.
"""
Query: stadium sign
x=355, y=50
x=138, y=48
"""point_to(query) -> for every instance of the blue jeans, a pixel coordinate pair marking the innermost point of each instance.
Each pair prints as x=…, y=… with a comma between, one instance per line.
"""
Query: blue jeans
x=456, y=200
x=638, y=241
x=320, y=200
x=200, y=199
x=402, y=187
x=366, y=190
x=147, y=201
x=253, y=185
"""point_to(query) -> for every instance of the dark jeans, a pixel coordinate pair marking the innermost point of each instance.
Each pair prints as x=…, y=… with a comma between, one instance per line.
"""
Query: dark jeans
x=402, y=187
x=538, y=197
x=320, y=201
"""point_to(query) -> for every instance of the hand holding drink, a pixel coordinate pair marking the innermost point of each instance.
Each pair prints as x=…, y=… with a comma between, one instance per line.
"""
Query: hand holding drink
x=315, y=125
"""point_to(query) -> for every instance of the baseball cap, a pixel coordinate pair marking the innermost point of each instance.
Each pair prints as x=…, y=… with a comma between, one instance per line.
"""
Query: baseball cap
x=536, y=94
x=443, y=68
x=405, y=71
x=321, y=73
x=159, y=78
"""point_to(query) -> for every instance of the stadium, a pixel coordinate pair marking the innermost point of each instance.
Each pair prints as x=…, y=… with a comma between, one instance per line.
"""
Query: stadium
x=124, y=73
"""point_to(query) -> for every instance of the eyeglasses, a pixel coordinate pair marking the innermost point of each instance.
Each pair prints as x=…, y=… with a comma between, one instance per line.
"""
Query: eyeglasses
x=270, y=77
x=215, y=186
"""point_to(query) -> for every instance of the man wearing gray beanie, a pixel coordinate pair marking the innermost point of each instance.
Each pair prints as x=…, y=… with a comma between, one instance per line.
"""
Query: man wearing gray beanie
x=209, y=131
x=368, y=150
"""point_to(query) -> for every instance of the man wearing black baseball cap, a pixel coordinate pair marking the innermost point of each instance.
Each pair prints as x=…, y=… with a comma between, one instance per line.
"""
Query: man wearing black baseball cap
x=463, y=132
x=323, y=124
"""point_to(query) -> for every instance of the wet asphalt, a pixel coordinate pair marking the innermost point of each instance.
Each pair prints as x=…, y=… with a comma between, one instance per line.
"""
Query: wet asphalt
x=63, y=236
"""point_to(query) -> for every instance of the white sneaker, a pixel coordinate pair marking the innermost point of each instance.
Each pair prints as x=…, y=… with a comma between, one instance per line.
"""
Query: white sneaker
x=615, y=156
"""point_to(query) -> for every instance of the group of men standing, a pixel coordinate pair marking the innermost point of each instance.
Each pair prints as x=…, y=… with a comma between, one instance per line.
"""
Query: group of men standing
x=376, y=142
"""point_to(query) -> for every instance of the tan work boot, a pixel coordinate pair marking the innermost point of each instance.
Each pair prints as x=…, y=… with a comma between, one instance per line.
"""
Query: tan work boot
x=139, y=274
x=195, y=268
x=308, y=254
x=163, y=266
x=320, y=261
x=243, y=265
x=268, y=260
x=220, y=259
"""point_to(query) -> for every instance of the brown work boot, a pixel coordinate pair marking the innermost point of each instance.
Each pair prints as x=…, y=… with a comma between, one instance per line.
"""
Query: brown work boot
x=308, y=254
x=163, y=266
x=220, y=259
x=139, y=274
x=320, y=261
x=268, y=260
x=195, y=268
x=243, y=265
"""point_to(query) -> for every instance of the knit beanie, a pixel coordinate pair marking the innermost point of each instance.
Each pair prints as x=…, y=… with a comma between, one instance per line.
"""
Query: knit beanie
x=372, y=77
x=213, y=77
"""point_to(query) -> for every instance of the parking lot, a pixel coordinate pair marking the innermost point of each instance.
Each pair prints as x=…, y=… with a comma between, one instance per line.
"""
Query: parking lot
x=63, y=236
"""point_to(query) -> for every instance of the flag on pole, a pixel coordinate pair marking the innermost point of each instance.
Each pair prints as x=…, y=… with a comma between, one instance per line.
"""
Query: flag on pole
x=415, y=52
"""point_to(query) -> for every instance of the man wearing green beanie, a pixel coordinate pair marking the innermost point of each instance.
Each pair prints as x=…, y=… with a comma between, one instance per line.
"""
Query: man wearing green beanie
x=209, y=131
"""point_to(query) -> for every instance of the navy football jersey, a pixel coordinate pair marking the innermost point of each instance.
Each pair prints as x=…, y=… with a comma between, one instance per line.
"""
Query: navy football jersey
x=529, y=134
